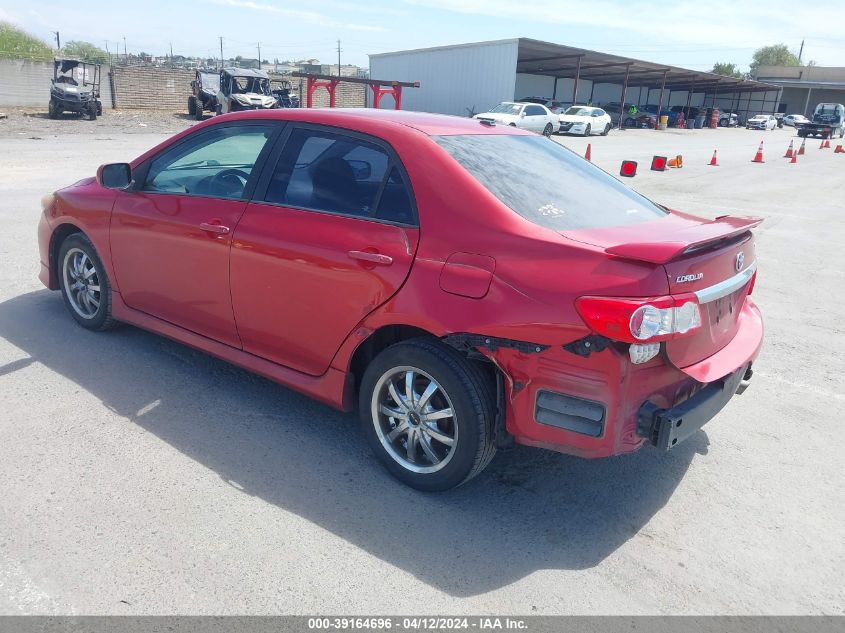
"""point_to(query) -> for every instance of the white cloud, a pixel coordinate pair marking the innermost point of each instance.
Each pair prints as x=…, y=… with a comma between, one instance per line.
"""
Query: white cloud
x=310, y=17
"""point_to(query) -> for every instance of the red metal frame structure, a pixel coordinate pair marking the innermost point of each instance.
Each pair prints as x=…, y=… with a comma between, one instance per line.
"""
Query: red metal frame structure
x=379, y=87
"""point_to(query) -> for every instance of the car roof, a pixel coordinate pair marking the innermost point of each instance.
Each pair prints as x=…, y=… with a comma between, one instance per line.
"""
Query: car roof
x=353, y=118
x=246, y=72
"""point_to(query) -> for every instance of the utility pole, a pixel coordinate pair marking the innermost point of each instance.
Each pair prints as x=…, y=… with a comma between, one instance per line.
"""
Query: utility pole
x=171, y=54
x=259, y=55
x=125, y=54
x=801, y=52
x=58, y=41
x=221, y=52
x=338, y=58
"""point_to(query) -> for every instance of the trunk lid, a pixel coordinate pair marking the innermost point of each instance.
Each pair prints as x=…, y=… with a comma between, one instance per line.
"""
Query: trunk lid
x=713, y=259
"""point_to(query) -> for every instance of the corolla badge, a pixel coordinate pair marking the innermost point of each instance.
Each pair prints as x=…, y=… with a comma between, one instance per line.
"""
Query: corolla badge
x=682, y=279
x=740, y=260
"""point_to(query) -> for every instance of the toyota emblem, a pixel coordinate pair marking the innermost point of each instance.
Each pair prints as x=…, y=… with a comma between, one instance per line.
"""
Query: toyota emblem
x=740, y=260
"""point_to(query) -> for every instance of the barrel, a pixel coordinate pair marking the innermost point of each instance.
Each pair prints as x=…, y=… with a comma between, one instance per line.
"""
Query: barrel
x=664, y=122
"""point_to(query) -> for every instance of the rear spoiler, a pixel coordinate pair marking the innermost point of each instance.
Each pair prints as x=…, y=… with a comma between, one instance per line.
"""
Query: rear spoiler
x=684, y=242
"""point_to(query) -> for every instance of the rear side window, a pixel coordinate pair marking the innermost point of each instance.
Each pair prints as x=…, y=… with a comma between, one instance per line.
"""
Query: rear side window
x=534, y=110
x=336, y=173
x=548, y=184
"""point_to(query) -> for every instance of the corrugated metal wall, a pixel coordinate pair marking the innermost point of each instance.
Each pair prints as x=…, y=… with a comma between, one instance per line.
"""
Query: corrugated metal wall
x=453, y=80
x=27, y=83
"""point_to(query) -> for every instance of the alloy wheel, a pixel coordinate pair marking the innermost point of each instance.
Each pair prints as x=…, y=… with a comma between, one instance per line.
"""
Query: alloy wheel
x=81, y=283
x=414, y=419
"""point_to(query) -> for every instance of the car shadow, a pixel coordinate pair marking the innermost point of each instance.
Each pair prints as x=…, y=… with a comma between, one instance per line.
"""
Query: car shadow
x=530, y=510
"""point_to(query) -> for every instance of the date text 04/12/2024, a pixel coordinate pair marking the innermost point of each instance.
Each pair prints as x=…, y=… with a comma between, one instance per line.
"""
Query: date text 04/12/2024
x=426, y=623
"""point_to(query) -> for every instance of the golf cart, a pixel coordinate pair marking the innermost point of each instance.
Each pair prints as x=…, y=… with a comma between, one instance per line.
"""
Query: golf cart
x=204, y=89
x=75, y=87
x=244, y=89
x=282, y=89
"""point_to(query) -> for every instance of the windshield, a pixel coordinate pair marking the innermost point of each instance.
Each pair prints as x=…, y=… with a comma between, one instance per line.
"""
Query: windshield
x=577, y=110
x=507, y=108
x=548, y=184
x=250, y=84
x=210, y=81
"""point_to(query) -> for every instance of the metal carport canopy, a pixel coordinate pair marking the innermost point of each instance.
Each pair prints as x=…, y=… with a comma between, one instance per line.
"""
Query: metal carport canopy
x=536, y=57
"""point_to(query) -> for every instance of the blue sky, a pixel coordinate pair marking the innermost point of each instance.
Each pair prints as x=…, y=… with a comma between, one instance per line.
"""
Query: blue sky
x=682, y=33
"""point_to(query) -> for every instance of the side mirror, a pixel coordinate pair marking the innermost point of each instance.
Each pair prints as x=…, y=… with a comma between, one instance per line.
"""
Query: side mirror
x=115, y=176
x=522, y=114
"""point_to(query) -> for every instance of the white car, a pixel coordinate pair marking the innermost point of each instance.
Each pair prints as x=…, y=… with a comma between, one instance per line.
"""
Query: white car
x=528, y=116
x=761, y=122
x=795, y=119
x=585, y=120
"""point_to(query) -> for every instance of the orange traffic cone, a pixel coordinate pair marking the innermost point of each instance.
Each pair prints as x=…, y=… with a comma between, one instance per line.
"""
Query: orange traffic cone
x=839, y=150
x=680, y=160
x=794, y=158
x=714, y=162
x=588, y=155
x=758, y=157
x=803, y=143
x=788, y=151
x=827, y=143
x=821, y=145
x=673, y=163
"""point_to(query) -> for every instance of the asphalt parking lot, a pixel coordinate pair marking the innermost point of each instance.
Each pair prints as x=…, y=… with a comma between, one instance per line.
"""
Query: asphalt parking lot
x=142, y=477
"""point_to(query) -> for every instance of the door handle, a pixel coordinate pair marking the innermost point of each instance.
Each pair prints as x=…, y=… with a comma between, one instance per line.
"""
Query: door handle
x=372, y=258
x=218, y=229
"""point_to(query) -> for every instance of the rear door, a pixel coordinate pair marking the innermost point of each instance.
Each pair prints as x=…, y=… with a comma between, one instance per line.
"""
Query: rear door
x=329, y=236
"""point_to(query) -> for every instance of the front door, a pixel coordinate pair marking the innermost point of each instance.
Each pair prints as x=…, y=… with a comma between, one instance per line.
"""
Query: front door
x=171, y=234
x=331, y=237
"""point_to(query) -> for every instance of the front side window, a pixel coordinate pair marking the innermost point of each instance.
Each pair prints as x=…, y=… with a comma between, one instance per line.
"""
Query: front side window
x=217, y=163
x=327, y=171
x=548, y=184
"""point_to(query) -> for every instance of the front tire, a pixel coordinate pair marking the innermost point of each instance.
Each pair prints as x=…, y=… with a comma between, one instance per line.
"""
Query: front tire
x=192, y=106
x=587, y=130
x=428, y=414
x=53, y=109
x=84, y=283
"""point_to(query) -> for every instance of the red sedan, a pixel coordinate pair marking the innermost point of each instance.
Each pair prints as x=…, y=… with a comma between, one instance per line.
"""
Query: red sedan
x=469, y=285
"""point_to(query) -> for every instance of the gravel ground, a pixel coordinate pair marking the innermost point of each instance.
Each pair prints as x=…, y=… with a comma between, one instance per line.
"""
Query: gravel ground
x=141, y=477
x=34, y=124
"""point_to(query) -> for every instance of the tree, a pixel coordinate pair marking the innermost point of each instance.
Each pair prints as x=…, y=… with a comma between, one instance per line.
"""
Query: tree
x=776, y=55
x=728, y=70
x=85, y=51
x=17, y=43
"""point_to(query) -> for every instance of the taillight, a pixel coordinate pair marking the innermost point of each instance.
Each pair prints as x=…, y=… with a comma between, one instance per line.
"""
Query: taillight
x=752, y=282
x=638, y=320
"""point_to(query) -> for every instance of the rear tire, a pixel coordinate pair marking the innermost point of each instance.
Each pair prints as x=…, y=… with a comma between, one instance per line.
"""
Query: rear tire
x=84, y=284
x=606, y=130
x=456, y=442
x=91, y=112
x=548, y=130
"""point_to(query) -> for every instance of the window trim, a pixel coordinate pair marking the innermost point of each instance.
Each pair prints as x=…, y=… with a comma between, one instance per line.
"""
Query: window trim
x=277, y=128
x=393, y=160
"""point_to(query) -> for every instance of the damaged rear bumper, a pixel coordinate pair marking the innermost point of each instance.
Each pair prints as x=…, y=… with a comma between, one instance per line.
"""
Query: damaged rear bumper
x=666, y=428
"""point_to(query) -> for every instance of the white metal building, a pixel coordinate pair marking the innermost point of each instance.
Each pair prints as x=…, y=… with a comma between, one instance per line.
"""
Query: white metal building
x=467, y=78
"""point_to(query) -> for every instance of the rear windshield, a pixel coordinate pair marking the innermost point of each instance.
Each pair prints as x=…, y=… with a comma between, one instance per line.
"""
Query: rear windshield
x=548, y=184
